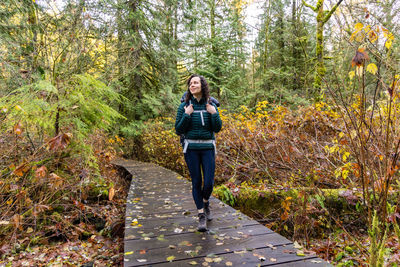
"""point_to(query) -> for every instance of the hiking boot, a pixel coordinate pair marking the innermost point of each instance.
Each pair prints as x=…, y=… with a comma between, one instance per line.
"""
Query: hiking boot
x=202, y=223
x=207, y=211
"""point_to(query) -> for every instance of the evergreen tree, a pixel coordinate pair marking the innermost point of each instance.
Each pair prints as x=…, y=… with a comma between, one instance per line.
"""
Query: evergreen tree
x=284, y=48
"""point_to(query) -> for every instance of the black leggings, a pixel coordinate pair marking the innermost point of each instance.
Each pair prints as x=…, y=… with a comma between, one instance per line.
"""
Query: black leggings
x=206, y=160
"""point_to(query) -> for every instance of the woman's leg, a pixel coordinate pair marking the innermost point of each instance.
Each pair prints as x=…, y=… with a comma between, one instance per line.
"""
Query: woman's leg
x=193, y=161
x=208, y=166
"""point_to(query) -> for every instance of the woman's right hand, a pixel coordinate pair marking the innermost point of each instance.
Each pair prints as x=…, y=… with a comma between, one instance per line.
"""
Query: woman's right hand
x=189, y=109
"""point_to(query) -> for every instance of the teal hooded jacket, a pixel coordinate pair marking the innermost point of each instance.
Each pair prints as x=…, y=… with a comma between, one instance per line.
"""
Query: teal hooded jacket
x=200, y=125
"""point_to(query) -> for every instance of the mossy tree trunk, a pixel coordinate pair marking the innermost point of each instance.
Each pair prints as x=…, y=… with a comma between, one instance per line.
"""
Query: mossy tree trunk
x=322, y=17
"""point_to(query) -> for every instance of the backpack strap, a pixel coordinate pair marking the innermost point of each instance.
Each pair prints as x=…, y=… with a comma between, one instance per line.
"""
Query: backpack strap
x=201, y=113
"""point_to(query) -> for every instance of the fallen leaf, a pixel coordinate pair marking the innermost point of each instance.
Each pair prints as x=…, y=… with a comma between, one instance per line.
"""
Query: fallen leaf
x=18, y=129
x=143, y=251
x=219, y=259
x=41, y=172
x=59, y=142
x=161, y=238
x=55, y=181
x=272, y=259
x=129, y=253
x=193, y=263
x=20, y=170
x=170, y=258
x=297, y=245
x=111, y=193
x=228, y=263
x=300, y=253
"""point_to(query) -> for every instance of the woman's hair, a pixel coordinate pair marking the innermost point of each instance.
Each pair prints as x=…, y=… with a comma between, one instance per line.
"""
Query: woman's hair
x=204, y=88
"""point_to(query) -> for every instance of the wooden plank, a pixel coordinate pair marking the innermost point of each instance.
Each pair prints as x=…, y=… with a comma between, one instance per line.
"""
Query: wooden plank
x=185, y=223
x=154, y=233
x=184, y=209
x=146, y=207
x=199, y=245
x=284, y=255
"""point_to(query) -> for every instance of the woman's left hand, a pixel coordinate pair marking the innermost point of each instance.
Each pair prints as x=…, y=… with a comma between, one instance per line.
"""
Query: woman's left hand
x=211, y=109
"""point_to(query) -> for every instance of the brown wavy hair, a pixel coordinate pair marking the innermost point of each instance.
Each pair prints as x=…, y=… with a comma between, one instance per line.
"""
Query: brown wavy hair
x=204, y=88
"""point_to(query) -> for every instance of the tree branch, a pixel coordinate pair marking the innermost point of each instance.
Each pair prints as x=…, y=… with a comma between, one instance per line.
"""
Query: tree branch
x=310, y=6
x=326, y=18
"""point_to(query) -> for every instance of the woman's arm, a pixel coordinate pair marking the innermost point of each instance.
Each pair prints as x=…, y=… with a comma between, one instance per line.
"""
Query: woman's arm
x=216, y=122
x=182, y=120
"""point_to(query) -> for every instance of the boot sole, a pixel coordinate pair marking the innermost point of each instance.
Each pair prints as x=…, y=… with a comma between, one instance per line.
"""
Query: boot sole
x=201, y=229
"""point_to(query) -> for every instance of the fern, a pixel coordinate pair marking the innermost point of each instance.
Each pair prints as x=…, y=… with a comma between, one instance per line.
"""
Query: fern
x=81, y=105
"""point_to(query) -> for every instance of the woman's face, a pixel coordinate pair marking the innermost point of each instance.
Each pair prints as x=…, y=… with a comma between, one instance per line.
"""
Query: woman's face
x=195, y=86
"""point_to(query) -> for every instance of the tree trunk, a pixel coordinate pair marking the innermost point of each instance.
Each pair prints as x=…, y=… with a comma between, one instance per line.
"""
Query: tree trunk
x=320, y=66
x=266, y=40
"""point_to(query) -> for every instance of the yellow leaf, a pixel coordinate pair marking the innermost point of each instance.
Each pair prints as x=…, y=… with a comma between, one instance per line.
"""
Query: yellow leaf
x=345, y=156
x=372, y=68
x=359, y=36
x=129, y=253
x=170, y=258
x=345, y=174
x=228, y=263
x=372, y=36
x=18, y=107
x=29, y=230
x=300, y=253
x=388, y=44
x=351, y=74
x=359, y=26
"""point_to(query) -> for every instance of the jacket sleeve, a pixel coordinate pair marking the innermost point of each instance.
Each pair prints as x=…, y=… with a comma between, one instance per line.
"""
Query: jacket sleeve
x=216, y=122
x=182, y=120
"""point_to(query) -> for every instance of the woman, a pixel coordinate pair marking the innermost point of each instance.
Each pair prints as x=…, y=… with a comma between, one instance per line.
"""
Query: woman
x=197, y=120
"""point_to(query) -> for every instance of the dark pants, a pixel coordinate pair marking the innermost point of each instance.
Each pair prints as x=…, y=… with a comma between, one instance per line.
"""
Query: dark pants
x=206, y=160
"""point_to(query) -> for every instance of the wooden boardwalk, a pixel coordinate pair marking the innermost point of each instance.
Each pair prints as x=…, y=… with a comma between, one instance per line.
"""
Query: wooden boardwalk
x=161, y=223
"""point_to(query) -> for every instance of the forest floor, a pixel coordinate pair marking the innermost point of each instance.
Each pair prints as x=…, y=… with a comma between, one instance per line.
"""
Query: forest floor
x=97, y=250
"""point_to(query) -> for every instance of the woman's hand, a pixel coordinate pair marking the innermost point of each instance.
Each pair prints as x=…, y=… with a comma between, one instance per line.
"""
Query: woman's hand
x=211, y=109
x=189, y=109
